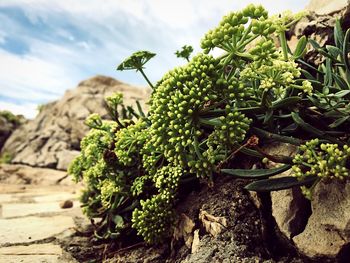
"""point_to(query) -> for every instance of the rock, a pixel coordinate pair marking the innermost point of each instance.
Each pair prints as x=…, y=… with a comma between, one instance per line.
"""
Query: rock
x=53, y=138
x=64, y=158
x=32, y=228
x=326, y=7
x=66, y=204
x=23, y=174
x=318, y=24
x=328, y=229
x=289, y=207
x=8, y=123
x=34, y=253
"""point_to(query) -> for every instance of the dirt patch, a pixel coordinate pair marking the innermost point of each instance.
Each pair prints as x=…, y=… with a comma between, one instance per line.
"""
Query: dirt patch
x=240, y=241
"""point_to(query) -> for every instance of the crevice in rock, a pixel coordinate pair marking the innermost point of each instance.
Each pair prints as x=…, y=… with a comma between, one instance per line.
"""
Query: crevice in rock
x=299, y=223
x=344, y=254
x=277, y=245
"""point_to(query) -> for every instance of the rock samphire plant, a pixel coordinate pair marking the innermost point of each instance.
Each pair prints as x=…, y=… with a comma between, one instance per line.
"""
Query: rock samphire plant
x=204, y=115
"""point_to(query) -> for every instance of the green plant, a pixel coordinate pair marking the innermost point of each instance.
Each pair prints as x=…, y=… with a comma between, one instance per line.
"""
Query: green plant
x=185, y=52
x=6, y=157
x=136, y=62
x=206, y=113
x=10, y=117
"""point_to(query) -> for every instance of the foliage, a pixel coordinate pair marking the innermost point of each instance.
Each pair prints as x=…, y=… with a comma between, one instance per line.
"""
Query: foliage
x=185, y=52
x=206, y=113
x=5, y=157
x=10, y=117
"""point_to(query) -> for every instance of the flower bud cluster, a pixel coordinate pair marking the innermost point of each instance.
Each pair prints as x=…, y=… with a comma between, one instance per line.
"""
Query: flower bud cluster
x=109, y=188
x=233, y=127
x=324, y=160
x=154, y=220
x=114, y=100
x=233, y=26
x=129, y=141
x=175, y=104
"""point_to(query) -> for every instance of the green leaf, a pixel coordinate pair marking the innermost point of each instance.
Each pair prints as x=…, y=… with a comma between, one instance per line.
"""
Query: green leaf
x=333, y=51
x=346, y=51
x=339, y=121
x=306, y=126
x=340, y=82
x=327, y=55
x=307, y=74
x=266, y=99
x=342, y=93
x=277, y=137
x=338, y=34
x=212, y=122
x=276, y=184
x=139, y=107
x=256, y=173
x=300, y=48
x=268, y=116
x=328, y=76
x=285, y=102
x=314, y=44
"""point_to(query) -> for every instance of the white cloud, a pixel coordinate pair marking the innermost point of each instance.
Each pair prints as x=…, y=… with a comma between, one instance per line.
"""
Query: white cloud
x=29, y=110
x=104, y=33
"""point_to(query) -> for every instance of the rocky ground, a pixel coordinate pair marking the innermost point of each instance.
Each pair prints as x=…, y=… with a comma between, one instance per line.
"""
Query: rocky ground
x=41, y=221
x=39, y=210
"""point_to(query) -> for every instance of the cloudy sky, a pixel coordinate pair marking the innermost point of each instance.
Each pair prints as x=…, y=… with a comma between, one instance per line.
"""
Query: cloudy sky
x=49, y=46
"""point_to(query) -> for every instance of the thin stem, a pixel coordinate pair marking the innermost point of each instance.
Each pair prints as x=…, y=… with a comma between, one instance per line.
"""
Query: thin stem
x=283, y=42
x=144, y=75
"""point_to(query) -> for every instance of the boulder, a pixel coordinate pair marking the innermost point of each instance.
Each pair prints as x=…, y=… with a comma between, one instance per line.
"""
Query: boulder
x=289, y=207
x=8, y=123
x=53, y=138
x=318, y=24
x=327, y=233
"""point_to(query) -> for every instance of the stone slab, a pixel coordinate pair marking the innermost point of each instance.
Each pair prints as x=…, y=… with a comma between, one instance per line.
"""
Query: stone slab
x=12, y=210
x=30, y=259
x=35, y=249
x=32, y=228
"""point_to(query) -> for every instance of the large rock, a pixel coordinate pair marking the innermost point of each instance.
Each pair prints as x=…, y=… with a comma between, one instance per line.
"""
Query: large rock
x=327, y=233
x=53, y=138
x=318, y=24
x=289, y=207
x=327, y=7
x=8, y=123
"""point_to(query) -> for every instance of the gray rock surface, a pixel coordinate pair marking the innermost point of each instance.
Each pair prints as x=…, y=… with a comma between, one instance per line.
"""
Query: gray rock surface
x=52, y=139
x=320, y=228
x=33, y=226
x=326, y=7
x=328, y=229
x=318, y=24
x=289, y=208
x=8, y=123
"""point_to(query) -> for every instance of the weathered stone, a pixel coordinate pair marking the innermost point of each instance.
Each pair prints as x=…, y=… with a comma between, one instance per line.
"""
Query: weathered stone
x=64, y=158
x=326, y=7
x=66, y=204
x=289, y=207
x=23, y=174
x=10, y=210
x=32, y=228
x=52, y=139
x=34, y=253
x=328, y=228
x=8, y=123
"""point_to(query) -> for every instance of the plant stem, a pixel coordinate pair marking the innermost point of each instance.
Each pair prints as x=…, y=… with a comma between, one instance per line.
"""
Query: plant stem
x=144, y=75
x=283, y=42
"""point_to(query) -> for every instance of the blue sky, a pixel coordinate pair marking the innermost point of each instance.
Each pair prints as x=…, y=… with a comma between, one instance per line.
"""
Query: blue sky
x=49, y=46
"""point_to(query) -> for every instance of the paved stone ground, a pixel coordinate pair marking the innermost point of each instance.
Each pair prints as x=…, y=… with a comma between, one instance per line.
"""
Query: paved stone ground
x=32, y=222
